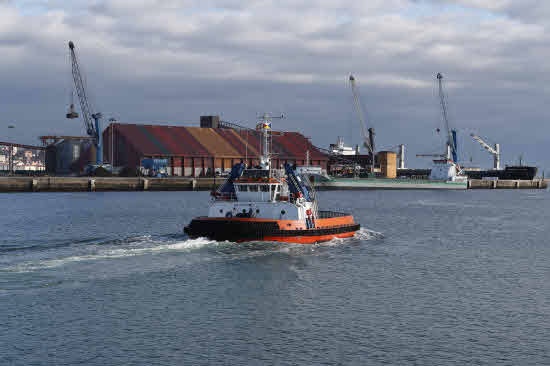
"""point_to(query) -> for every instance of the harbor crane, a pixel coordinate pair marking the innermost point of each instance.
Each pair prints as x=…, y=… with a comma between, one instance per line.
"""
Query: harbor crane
x=451, y=152
x=368, y=139
x=493, y=151
x=430, y=155
x=436, y=155
x=92, y=121
x=451, y=134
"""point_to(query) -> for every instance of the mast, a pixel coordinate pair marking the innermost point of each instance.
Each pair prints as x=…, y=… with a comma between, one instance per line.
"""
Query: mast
x=265, y=128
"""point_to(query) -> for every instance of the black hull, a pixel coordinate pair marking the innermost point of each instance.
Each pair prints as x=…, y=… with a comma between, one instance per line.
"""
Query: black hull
x=239, y=231
x=509, y=173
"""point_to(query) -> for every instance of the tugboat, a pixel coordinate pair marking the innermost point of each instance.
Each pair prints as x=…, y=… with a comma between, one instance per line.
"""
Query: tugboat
x=268, y=204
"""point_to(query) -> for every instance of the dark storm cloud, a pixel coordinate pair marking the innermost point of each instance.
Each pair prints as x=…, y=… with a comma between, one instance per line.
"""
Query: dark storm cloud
x=170, y=61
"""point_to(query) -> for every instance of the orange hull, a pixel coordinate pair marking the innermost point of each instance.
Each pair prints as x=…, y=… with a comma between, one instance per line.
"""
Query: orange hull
x=308, y=239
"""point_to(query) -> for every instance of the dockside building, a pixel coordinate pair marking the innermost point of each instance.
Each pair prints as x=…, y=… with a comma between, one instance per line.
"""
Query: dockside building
x=202, y=151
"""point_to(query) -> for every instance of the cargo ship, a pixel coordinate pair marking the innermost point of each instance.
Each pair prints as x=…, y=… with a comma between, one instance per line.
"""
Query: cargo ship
x=445, y=174
x=266, y=204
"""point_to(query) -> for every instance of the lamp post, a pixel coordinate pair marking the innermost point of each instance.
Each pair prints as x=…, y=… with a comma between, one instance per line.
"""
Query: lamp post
x=10, y=152
x=112, y=146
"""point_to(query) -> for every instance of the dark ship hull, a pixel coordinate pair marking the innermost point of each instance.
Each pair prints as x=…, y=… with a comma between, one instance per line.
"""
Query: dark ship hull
x=510, y=172
x=521, y=172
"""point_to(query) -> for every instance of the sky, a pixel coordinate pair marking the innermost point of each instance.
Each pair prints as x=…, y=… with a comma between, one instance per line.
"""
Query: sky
x=169, y=62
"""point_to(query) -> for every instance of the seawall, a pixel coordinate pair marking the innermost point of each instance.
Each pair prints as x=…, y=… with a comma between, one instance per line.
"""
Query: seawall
x=87, y=184
x=90, y=184
x=507, y=184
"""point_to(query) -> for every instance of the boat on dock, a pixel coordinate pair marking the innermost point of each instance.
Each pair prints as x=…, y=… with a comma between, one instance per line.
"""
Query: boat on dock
x=263, y=203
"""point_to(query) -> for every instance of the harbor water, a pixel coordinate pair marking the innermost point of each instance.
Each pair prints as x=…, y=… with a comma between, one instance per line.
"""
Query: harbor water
x=432, y=278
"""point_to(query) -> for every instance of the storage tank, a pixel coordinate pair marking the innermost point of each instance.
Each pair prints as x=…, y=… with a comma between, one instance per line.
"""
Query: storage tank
x=73, y=155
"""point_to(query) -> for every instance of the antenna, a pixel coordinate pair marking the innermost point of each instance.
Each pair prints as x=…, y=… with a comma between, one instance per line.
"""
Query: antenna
x=246, y=150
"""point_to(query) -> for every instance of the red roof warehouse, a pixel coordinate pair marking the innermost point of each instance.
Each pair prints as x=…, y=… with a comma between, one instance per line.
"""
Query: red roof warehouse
x=201, y=151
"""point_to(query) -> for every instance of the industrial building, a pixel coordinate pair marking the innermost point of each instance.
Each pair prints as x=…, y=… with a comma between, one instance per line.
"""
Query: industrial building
x=208, y=150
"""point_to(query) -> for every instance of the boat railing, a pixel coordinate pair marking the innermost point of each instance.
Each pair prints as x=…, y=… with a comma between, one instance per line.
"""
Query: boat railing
x=330, y=214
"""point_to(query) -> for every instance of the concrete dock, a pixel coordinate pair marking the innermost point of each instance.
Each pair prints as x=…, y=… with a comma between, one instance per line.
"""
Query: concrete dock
x=87, y=184
x=90, y=184
x=424, y=184
x=507, y=184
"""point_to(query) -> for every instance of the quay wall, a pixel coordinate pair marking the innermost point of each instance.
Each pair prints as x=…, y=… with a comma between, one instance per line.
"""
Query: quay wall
x=507, y=184
x=86, y=184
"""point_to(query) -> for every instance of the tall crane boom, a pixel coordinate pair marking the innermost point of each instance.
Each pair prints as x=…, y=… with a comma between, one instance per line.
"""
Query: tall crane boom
x=91, y=120
x=493, y=151
x=368, y=139
x=451, y=134
x=430, y=156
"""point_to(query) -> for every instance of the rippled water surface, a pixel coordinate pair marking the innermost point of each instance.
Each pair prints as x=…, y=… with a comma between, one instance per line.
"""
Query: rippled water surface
x=432, y=278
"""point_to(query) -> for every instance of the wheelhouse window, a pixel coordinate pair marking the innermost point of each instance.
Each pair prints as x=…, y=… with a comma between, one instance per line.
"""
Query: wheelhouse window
x=243, y=188
x=264, y=188
x=253, y=188
x=256, y=173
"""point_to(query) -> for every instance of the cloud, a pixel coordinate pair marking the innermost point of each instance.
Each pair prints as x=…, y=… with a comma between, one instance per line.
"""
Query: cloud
x=151, y=60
